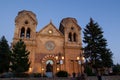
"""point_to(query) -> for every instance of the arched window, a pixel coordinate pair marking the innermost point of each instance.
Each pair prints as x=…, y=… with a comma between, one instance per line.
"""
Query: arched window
x=70, y=37
x=28, y=33
x=74, y=37
x=22, y=34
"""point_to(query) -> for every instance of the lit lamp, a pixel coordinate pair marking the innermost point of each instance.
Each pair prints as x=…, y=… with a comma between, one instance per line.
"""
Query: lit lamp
x=61, y=61
x=62, y=57
x=42, y=69
x=58, y=69
x=56, y=57
x=50, y=31
x=30, y=69
x=80, y=60
x=83, y=58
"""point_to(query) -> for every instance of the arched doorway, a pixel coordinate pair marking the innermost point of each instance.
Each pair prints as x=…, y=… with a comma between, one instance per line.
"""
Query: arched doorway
x=53, y=62
x=49, y=65
x=50, y=61
x=49, y=68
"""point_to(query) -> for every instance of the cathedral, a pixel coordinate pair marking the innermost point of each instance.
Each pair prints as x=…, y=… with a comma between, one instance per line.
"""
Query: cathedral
x=62, y=47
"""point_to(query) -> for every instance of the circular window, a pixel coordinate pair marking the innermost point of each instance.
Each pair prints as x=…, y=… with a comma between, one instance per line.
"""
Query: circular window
x=26, y=22
x=49, y=45
x=50, y=31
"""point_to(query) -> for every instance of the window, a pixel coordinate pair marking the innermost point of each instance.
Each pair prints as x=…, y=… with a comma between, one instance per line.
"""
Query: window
x=28, y=33
x=70, y=37
x=26, y=22
x=74, y=37
x=22, y=34
x=72, y=28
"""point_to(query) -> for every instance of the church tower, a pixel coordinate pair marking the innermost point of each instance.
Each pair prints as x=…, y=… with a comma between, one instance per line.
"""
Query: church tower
x=25, y=29
x=73, y=44
x=25, y=23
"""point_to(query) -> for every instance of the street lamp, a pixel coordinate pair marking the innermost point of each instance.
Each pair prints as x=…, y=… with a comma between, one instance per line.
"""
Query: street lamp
x=80, y=60
x=59, y=59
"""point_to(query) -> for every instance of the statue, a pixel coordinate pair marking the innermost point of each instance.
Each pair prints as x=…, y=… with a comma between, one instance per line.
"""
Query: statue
x=49, y=70
x=49, y=67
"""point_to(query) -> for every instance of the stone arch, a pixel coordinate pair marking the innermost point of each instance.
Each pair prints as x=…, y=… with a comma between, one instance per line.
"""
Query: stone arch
x=53, y=59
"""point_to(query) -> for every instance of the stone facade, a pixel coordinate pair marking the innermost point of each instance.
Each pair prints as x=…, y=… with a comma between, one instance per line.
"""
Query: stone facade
x=61, y=47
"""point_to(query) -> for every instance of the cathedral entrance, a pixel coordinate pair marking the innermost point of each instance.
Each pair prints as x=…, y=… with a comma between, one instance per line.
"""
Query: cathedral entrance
x=49, y=68
x=49, y=65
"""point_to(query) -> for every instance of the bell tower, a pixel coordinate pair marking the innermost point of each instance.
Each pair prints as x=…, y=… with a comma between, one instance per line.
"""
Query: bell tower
x=25, y=29
x=25, y=25
x=73, y=43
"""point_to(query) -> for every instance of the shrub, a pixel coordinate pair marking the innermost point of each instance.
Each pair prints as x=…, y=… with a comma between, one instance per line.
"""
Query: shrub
x=88, y=71
x=62, y=74
x=21, y=75
x=37, y=74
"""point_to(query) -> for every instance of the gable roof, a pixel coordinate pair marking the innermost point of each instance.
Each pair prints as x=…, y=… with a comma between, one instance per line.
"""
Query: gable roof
x=51, y=27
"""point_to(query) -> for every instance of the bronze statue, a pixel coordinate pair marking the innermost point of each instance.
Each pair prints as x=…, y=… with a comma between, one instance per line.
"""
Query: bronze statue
x=49, y=67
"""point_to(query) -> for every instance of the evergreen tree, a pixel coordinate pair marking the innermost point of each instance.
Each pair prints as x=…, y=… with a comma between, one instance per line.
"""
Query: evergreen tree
x=107, y=58
x=95, y=49
x=4, y=55
x=20, y=61
x=116, y=69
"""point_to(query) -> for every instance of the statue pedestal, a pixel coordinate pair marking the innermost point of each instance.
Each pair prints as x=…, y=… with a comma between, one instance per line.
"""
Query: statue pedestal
x=49, y=74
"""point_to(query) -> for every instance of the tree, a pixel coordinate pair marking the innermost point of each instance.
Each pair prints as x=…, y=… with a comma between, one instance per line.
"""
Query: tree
x=19, y=58
x=116, y=69
x=96, y=52
x=4, y=55
x=107, y=58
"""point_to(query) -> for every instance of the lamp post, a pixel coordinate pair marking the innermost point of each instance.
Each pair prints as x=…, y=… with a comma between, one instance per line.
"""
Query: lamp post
x=60, y=61
x=80, y=60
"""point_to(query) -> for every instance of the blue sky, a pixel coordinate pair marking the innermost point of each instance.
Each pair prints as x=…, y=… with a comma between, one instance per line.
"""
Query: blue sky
x=105, y=12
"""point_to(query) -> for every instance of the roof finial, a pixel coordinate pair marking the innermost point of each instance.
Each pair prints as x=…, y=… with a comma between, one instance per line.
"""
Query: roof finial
x=50, y=20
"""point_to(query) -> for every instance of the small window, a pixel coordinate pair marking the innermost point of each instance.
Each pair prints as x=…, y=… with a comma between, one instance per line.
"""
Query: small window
x=72, y=28
x=50, y=31
x=26, y=22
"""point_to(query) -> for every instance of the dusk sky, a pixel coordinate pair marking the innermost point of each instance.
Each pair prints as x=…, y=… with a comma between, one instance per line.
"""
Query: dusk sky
x=105, y=12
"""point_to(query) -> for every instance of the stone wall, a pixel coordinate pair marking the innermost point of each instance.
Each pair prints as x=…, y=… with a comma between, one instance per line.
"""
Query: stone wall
x=105, y=78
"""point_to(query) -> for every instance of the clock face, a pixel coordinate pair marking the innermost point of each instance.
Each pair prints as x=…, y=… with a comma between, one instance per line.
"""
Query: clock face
x=49, y=45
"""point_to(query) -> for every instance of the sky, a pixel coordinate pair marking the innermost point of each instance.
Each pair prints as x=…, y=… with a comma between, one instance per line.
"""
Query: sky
x=105, y=12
